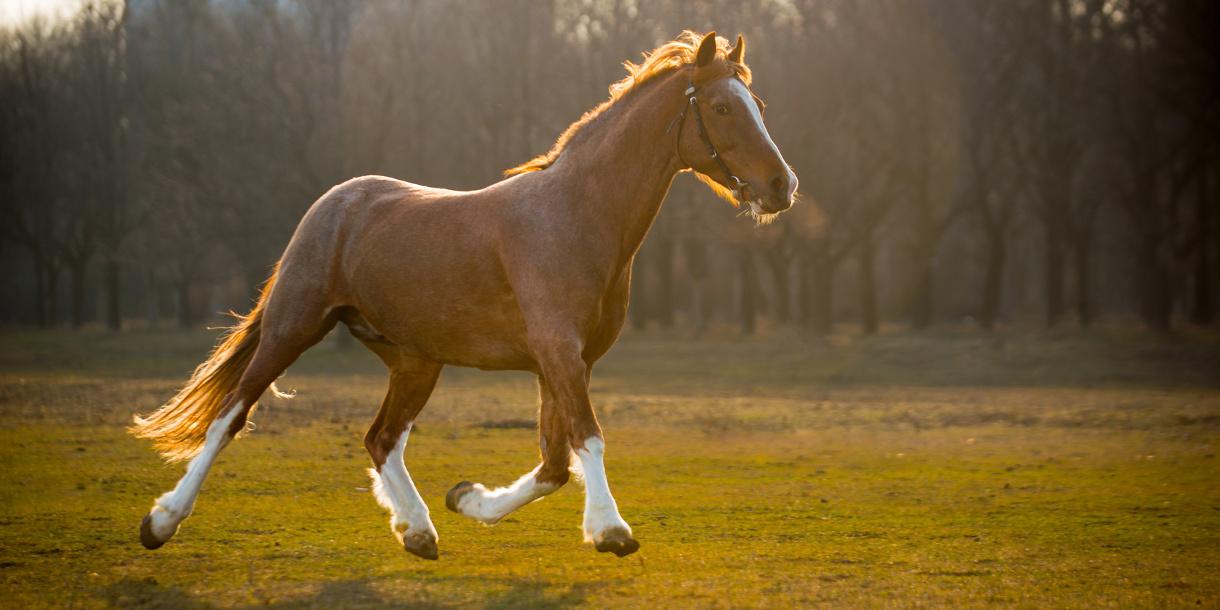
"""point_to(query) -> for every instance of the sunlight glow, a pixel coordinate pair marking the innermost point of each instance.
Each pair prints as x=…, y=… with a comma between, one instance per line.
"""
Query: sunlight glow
x=17, y=12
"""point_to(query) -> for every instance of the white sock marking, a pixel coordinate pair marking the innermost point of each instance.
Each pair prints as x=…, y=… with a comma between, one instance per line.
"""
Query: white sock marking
x=174, y=506
x=601, y=512
x=489, y=506
x=395, y=490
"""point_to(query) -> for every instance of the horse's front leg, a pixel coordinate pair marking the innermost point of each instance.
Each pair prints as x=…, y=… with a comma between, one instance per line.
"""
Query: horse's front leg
x=568, y=376
x=492, y=505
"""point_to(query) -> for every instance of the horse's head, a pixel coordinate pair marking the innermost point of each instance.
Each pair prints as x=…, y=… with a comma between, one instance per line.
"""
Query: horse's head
x=721, y=134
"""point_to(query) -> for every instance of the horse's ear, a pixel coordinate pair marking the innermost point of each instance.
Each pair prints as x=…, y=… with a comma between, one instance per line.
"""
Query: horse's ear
x=739, y=50
x=707, y=50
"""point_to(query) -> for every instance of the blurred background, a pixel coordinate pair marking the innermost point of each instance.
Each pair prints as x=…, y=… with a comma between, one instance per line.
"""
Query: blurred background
x=893, y=397
x=1024, y=162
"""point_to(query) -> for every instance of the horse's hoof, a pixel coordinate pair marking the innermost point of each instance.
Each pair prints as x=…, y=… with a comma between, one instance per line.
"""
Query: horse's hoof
x=617, y=541
x=150, y=541
x=421, y=544
x=455, y=495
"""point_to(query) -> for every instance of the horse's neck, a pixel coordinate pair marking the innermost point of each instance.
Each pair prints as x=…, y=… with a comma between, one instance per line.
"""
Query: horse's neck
x=622, y=170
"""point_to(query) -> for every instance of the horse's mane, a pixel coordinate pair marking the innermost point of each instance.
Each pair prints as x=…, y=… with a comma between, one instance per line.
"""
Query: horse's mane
x=661, y=60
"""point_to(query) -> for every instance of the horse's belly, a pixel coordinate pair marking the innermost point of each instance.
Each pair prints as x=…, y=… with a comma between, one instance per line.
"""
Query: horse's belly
x=453, y=328
x=470, y=345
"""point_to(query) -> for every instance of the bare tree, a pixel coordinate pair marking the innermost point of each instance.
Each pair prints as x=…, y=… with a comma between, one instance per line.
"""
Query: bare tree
x=1167, y=128
x=35, y=72
x=178, y=142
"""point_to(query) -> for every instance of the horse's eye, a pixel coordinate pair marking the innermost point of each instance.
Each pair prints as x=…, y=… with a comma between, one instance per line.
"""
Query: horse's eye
x=720, y=108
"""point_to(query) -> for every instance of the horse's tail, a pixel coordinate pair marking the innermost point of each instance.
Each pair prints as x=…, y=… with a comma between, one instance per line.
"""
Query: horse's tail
x=180, y=427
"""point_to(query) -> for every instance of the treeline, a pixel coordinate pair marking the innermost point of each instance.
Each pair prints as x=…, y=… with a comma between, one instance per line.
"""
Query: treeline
x=1056, y=160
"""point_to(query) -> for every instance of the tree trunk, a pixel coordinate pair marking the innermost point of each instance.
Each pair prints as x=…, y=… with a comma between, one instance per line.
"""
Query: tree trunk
x=697, y=317
x=1082, y=256
x=868, y=286
x=343, y=339
x=993, y=288
x=748, y=299
x=778, y=265
x=821, y=297
x=921, y=298
x=40, y=289
x=78, y=271
x=186, y=315
x=52, y=293
x=663, y=304
x=153, y=299
x=803, y=292
x=1156, y=300
x=114, y=315
x=696, y=268
x=1202, y=310
x=1053, y=277
x=637, y=315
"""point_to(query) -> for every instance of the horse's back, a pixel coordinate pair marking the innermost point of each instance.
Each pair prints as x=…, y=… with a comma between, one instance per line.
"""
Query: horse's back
x=359, y=201
x=334, y=229
x=419, y=265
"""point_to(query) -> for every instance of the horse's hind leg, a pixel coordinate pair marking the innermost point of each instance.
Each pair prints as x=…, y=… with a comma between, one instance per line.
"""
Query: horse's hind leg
x=283, y=338
x=489, y=506
x=411, y=383
x=174, y=506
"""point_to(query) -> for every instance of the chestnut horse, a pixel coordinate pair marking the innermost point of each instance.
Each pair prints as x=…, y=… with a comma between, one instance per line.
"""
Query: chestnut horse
x=530, y=273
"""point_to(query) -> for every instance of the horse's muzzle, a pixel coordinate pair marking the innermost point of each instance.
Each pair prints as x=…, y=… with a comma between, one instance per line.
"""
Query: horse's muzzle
x=780, y=194
x=776, y=204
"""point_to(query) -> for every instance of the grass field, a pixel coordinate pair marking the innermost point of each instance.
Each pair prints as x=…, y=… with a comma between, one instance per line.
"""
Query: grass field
x=952, y=469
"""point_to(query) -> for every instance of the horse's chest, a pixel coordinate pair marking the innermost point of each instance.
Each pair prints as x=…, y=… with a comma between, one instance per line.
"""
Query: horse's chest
x=613, y=314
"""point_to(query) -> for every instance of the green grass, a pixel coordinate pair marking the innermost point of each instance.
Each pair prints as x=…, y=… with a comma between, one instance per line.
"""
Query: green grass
x=1031, y=470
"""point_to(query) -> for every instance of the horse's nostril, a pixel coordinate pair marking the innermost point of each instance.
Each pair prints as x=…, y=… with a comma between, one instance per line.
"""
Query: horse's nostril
x=779, y=184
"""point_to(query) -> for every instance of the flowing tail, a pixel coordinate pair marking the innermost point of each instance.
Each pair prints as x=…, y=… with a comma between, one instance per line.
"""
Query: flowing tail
x=180, y=427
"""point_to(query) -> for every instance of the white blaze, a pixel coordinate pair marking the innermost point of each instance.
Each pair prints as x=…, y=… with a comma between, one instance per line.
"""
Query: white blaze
x=742, y=92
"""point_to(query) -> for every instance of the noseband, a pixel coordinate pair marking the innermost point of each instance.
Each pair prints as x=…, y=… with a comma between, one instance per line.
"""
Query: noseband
x=738, y=186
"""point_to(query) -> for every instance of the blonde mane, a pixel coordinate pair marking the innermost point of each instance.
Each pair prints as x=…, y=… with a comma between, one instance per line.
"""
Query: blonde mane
x=664, y=59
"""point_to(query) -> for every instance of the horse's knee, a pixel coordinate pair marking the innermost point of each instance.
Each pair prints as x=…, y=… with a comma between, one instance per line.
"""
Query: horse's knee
x=556, y=459
x=556, y=475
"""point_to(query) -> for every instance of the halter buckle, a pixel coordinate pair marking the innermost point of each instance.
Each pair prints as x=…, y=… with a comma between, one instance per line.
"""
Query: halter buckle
x=738, y=185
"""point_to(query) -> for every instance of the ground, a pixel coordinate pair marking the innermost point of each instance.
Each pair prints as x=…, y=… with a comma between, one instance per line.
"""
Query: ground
x=952, y=468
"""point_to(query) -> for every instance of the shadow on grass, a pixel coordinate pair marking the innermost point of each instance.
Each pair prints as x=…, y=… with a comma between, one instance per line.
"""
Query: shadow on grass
x=533, y=594
x=521, y=593
x=148, y=593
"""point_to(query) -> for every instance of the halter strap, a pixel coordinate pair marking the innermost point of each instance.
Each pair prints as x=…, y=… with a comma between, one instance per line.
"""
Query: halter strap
x=738, y=186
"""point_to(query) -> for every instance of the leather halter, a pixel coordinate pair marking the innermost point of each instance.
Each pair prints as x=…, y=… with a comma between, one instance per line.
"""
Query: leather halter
x=738, y=185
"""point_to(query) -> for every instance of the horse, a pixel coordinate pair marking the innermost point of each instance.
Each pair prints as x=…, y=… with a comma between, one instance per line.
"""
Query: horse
x=530, y=273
